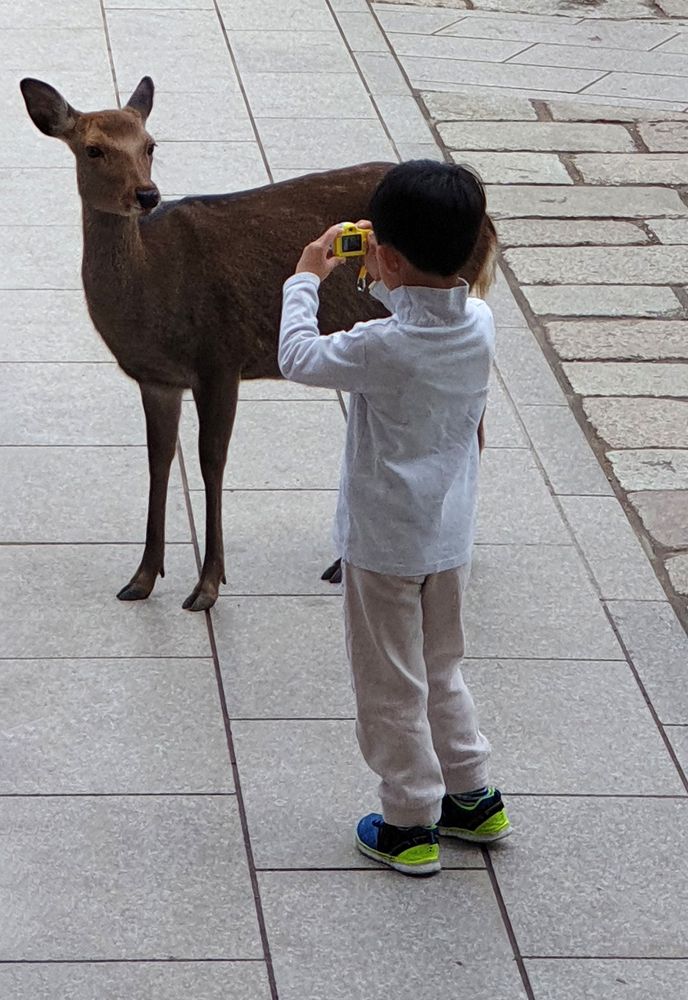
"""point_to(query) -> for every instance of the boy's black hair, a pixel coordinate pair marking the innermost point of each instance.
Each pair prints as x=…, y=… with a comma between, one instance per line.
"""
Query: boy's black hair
x=430, y=212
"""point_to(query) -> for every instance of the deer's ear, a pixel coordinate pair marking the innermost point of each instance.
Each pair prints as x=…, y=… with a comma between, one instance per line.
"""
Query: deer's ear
x=142, y=98
x=48, y=109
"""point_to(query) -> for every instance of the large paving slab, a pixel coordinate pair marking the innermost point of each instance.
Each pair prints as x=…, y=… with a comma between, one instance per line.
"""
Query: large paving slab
x=600, y=265
x=571, y=891
x=567, y=232
x=664, y=515
x=627, y=378
x=613, y=979
x=651, y=301
x=144, y=877
x=651, y=468
x=633, y=340
x=463, y=948
x=48, y=326
x=639, y=422
x=623, y=168
x=542, y=136
x=136, y=980
x=584, y=202
x=98, y=727
x=569, y=464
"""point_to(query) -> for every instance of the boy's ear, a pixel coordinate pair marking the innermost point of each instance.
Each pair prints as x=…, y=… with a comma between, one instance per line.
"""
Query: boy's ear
x=390, y=257
x=48, y=109
x=142, y=98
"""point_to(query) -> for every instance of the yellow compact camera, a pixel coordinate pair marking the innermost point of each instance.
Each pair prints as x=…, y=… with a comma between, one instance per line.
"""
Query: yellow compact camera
x=351, y=242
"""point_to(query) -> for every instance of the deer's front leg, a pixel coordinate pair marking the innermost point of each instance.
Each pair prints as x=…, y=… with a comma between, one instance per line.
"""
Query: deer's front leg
x=216, y=402
x=162, y=406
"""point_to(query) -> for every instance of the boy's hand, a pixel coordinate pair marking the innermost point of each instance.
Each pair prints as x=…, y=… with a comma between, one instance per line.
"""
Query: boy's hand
x=371, y=256
x=317, y=256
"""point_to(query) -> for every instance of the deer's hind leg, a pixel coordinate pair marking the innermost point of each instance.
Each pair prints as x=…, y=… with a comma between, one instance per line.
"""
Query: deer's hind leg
x=216, y=401
x=162, y=406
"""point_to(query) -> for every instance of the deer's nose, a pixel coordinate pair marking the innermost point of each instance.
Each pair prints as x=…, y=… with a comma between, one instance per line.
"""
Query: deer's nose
x=148, y=197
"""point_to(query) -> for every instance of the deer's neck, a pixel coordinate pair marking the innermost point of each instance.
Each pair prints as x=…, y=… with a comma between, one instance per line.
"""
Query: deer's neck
x=114, y=253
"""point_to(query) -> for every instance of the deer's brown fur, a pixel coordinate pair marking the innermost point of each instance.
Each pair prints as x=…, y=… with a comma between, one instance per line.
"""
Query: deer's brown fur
x=189, y=296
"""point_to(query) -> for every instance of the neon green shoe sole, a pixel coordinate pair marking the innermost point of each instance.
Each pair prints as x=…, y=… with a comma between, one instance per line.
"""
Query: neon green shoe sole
x=412, y=851
x=481, y=822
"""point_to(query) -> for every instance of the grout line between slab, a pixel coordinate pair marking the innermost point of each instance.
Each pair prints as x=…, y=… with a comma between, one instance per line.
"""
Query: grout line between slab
x=241, y=806
x=508, y=926
x=126, y=961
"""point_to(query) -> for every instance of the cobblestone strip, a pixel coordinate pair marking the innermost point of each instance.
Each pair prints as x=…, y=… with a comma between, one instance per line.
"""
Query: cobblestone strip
x=603, y=279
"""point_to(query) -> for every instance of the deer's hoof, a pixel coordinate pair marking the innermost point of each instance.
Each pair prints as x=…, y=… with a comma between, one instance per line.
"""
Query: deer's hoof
x=199, y=599
x=333, y=573
x=134, y=592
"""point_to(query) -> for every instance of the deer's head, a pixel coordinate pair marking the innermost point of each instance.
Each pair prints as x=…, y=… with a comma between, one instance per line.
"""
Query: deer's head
x=113, y=150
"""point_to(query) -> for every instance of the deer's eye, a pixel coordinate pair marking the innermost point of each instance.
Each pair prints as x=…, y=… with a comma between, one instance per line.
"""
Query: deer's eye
x=151, y=149
x=93, y=152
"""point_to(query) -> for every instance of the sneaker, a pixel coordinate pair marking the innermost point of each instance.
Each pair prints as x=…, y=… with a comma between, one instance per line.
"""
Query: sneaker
x=411, y=850
x=483, y=820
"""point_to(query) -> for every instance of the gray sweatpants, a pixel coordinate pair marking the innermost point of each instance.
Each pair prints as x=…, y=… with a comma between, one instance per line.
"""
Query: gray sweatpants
x=416, y=720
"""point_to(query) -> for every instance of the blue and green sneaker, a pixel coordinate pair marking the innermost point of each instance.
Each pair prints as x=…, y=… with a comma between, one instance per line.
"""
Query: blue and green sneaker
x=411, y=850
x=478, y=816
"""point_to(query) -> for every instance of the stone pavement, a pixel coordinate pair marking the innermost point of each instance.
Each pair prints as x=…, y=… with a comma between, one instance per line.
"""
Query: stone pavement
x=177, y=792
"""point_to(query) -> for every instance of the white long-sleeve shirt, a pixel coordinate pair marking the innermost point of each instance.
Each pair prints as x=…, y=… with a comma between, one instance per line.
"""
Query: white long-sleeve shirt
x=418, y=382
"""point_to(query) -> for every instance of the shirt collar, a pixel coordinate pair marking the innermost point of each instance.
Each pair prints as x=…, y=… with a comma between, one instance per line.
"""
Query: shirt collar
x=418, y=305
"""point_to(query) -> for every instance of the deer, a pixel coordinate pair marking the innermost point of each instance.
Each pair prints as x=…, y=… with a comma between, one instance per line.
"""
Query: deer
x=186, y=294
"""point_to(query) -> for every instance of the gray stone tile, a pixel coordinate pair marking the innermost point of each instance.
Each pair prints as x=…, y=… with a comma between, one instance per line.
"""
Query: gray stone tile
x=670, y=231
x=535, y=601
x=515, y=168
x=42, y=326
x=267, y=448
x=664, y=514
x=677, y=568
x=425, y=70
x=456, y=107
x=504, y=306
x=297, y=15
x=43, y=13
x=362, y=31
x=634, y=340
x=322, y=143
x=600, y=265
x=651, y=468
x=214, y=116
x=138, y=980
x=658, y=646
x=584, y=202
x=404, y=119
x=612, y=549
x=41, y=256
x=568, y=459
x=579, y=110
x=109, y=407
x=627, y=378
x=502, y=428
x=565, y=232
x=60, y=601
x=98, y=727
x=56, y=52
x=631, y=85
x=588, y=33
x=142, y=878
x=630, y=168
x=524, y=368
x=535, y=136
x=278, y=389
x=382, y=73
x=82, y=495
x=448, y=47
x=571, y=891
x=159, y=4
x=307, y=95
x=419, y=151
x=602, y=58
x=613, y=979
x=602, y=300
x=310, y=773
x=639, y=422
x=291, y=51
x=464, y=949
x=40, y=197
x=515, y=504
x=416, y=20
x=296, y=668
x=176, y=65
x=678, y=736
x=276, y=542
x=569, y=727
x=665, y=136
x=475, y=91
x=183, y=168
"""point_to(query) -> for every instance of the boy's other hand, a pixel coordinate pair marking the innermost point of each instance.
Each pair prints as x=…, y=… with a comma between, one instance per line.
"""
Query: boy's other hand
x=317, y=256
x=371, y=263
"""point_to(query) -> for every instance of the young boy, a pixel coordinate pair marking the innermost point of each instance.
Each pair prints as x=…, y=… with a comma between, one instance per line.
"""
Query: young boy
x=405, y=518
